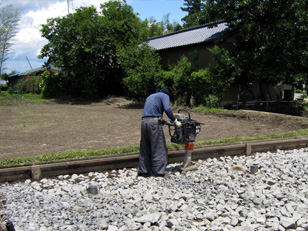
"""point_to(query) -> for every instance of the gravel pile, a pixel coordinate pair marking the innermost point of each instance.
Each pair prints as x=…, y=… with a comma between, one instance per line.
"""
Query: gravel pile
x=220, y=195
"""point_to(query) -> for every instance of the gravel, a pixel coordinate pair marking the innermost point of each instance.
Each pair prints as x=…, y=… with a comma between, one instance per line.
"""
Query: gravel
x=221, y=194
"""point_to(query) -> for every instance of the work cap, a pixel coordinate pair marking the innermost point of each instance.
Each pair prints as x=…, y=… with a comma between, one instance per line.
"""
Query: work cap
x=164, y=90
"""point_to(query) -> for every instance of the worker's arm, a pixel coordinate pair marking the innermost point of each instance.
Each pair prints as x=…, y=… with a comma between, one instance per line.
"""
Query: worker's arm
x=167, y=108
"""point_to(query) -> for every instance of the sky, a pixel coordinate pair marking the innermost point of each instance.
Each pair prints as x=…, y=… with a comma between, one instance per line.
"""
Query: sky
x=28, y=42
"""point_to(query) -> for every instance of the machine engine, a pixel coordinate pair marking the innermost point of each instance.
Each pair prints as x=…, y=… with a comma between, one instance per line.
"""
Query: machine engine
x=187, y=132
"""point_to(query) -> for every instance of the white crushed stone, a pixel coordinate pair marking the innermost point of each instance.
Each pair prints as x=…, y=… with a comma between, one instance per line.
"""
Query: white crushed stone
x=216, y=196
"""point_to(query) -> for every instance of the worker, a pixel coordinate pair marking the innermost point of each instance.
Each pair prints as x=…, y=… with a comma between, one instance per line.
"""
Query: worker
x=153, y=156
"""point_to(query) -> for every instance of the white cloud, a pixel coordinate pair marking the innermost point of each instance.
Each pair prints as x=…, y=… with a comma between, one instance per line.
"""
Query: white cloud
x=28, y=37
x=28, y=40
x=41, y=15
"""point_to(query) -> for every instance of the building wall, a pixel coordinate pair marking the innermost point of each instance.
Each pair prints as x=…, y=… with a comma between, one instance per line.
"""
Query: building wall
x=14, y=80
x=198, y=54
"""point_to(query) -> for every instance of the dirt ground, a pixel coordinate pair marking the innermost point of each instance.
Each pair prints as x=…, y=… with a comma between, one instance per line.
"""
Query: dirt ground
x=33, y=129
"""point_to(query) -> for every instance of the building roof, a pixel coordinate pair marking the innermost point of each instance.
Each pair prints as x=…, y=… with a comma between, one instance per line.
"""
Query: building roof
x=189, y=36
x=34, y=70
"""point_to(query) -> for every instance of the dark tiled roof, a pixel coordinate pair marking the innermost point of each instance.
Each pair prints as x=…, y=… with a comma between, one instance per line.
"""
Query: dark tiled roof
x=187, y=37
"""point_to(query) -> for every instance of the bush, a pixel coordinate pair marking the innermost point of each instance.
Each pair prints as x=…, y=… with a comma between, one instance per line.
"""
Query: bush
x=4, y=87
x=143, y=70
x=298, y=91
x=22, y=86
x=187, y=86
x=212, y=101
x=52, y=85
x=29, y=84
x=200, y=83
x=177, y=80
x=11, y=90
x=205, y=86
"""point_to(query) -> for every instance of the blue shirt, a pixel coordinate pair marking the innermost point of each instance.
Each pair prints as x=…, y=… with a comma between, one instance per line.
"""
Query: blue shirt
x=156, y=104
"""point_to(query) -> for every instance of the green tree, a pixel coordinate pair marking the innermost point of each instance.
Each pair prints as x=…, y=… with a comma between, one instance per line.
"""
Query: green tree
x=9, y=18
x=168, y=26
x=177, y=80
x=154, y=28
x=194, y=17
x=271, y=42
x=160, y=28
x=214, y=79
x=4, y=76
x=85, y=46
x=53, y=84
x=143, y=71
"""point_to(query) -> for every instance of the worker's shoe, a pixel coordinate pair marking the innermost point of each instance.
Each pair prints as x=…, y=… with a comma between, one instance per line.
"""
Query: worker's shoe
x=143, y=174
x=160, y=175
x=166, y=175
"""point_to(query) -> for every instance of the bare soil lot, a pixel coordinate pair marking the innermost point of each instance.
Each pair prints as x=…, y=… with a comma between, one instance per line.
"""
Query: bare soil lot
x=33, y=129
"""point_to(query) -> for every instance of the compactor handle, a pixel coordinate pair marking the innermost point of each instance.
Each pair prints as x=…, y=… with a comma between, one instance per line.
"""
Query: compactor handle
x=167, y=122
x=185, y=111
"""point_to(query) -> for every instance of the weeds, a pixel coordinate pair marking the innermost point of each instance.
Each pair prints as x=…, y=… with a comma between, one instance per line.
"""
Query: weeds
x=6, y=101
x=292, y=134
x=212, y=110
x=6, y=97
x=72, y=155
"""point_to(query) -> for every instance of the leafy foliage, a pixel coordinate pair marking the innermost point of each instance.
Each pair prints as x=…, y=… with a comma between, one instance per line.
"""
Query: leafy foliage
x=85, y=46
x=223, y=69
x=143, y=70
x=177, y=79
x=194, y=17
x=4, y=76
x=191, y=87
x=155, y=28
x=271, y=45
x=31, y=84
x=212, y=101
x=54, y=84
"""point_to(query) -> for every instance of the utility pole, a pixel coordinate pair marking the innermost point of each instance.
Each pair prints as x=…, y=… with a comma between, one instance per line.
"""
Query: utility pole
x=29, y=62
x=69, y=6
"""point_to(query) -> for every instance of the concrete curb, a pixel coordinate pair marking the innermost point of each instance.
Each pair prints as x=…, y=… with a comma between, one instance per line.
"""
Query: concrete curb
x=37, y=172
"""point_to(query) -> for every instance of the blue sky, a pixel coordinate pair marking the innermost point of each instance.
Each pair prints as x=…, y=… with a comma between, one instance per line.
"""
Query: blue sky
x=159, y=8
x=28, y=41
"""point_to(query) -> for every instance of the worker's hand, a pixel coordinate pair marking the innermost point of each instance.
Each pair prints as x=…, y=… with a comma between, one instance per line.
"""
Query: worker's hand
x=177, y=123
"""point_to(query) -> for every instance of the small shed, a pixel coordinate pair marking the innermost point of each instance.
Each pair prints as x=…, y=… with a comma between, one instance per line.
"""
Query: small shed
x=194, y=43
x=13, y=79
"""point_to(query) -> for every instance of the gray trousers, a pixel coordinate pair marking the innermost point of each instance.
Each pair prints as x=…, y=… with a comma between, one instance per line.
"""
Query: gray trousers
x=153, y=157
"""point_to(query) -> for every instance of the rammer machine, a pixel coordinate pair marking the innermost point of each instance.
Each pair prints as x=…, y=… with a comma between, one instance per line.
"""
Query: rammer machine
x=185, y=134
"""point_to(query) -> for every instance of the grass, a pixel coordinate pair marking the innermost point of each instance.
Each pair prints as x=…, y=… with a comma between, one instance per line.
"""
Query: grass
x=38, y=100
x=292, y=134
x=6, y=101
x=6, y=98
x=212, y=110
x=71, y=155
x=86, y=154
